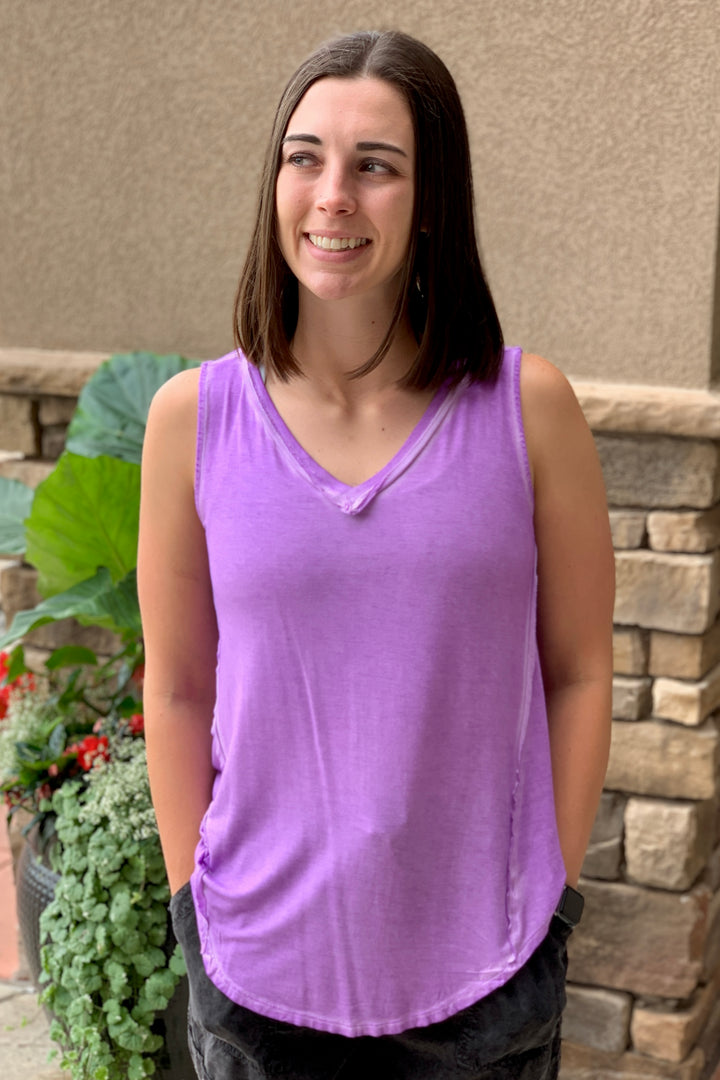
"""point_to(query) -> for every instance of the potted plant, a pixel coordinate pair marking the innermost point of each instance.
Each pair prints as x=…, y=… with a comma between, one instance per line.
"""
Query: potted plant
x=72, y=753
x=72, y=747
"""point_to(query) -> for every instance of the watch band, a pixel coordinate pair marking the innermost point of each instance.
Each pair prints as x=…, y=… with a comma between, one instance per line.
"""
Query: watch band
x=571, y=906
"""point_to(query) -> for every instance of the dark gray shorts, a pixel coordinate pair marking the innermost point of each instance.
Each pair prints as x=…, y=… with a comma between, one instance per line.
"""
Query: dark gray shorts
x=512, y=1034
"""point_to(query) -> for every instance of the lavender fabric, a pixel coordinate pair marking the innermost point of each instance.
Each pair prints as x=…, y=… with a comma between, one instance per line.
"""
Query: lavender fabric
x=511, y=1034
x=381, y=847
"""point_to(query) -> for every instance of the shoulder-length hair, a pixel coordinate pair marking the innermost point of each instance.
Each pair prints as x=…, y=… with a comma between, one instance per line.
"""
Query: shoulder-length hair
x=443, y=287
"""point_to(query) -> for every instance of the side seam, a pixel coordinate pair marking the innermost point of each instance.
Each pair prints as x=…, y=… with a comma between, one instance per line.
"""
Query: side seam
x=519, y=440
x=201, y=437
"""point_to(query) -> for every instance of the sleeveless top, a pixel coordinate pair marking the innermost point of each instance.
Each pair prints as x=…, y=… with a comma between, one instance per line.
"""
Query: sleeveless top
x=381, y=846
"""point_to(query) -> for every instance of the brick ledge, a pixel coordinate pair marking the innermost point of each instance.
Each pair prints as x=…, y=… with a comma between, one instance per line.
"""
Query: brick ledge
x=53, y=372
x=657, y=410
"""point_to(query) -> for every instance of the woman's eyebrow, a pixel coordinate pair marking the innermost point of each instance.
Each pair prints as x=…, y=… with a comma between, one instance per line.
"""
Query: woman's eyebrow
x=302, y=138
x=381, y=146
x=368, y=145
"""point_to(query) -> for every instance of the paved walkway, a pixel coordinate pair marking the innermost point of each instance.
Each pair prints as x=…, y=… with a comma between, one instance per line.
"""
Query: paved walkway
x=24, y=1040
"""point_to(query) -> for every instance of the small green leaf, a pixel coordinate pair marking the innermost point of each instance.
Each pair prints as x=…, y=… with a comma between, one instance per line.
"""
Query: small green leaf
x=68, y=656
x=136, y=1068
x=146, y=962
x=15, y=504
x=16, y=664
x=177, y=963
x=27, y=752
x=58, y=738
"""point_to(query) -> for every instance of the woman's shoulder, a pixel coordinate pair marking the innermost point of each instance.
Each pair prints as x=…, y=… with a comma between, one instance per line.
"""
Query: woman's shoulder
x=545, y=392
x=172, y=417
x=180, y=391
x=552, y=417
x=540, y=378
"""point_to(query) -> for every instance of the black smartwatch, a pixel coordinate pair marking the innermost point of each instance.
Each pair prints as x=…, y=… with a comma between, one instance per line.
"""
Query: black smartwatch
x=571, y=906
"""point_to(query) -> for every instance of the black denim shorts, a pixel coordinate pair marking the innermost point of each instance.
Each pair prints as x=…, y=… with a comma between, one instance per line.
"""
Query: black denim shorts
x=512, y=1034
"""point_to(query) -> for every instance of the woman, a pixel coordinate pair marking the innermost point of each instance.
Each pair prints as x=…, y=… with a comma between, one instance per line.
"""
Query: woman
x=376, y=748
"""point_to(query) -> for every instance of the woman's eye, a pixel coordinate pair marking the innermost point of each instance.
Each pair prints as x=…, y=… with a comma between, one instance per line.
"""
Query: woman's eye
x=376, y=167
x=300, y=160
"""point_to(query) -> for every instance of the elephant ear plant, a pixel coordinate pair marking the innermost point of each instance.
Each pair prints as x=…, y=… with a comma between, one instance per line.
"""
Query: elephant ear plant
x=72, y=747
x=80, y=529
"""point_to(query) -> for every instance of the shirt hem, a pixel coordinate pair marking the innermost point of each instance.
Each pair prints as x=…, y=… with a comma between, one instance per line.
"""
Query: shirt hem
x=417, y=1019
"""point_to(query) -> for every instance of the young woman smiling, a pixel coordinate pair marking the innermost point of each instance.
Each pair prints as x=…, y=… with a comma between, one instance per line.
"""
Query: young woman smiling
x=376, y=581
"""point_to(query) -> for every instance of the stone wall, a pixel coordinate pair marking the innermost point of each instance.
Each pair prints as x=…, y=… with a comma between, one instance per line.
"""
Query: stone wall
x=644, y=991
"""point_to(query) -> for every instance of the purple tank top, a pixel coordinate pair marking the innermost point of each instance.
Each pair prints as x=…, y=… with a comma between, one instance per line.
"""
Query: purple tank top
x=381, y=847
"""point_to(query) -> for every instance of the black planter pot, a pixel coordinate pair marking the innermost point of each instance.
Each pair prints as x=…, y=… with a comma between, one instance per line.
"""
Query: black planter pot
x=35, y=889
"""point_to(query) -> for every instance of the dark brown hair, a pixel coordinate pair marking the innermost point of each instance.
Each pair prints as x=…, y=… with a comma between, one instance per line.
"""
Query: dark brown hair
x=443, y=287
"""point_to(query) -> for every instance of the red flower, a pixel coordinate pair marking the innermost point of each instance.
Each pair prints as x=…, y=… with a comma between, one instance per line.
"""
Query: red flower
x=136, y=723
x=92, y=748
x=26, y=681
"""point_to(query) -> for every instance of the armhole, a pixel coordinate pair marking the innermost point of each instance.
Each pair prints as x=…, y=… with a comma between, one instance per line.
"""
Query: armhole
x=514, y=357
x=200, y=439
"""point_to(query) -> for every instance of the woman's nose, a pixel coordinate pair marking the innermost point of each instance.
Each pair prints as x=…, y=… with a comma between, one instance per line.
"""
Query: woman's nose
x=335, y=194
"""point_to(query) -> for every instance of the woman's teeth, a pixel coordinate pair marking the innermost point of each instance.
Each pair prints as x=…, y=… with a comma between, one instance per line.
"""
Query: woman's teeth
x=336, y=243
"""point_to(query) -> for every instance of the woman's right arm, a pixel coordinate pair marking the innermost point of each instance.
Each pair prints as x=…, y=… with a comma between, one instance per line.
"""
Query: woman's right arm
x=179, y=626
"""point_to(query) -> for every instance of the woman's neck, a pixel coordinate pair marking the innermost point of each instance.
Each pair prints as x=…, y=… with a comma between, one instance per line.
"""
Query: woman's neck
x=334, y=338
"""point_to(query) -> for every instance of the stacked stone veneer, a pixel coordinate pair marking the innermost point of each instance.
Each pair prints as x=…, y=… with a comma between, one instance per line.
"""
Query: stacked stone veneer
x=644, y=992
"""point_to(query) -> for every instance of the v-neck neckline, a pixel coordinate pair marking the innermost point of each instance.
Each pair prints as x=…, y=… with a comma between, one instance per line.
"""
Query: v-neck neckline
x=351, y=498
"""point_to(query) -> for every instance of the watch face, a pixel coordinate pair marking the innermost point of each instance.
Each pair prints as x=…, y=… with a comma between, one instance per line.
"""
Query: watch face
x=572, y=905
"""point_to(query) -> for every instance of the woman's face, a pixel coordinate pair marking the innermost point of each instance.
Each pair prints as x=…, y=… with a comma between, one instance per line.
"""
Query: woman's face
x=345, y=189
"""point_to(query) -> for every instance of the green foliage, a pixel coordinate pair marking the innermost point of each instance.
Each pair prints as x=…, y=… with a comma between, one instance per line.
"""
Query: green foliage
x=105, y=962
x=84, y=516
x=82, y=523
x=15, y=502
x=112, y=410
x=94, y=602
x=71, y=748
x=59, y=721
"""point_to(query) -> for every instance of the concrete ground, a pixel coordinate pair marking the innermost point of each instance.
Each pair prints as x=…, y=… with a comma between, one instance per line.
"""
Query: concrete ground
x=24, y=1040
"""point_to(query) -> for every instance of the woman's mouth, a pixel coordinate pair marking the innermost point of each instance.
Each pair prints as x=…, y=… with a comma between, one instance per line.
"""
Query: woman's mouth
x=337, y=243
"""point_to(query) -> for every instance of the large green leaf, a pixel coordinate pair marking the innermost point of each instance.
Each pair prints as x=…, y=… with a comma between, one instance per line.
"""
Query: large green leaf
x=15, y=502
x=95, y=602
x=84, y=515
x=112, y=409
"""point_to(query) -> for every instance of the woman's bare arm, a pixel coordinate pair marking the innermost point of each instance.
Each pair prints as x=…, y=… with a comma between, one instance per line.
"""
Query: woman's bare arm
x=575, y=599
x=179, y=626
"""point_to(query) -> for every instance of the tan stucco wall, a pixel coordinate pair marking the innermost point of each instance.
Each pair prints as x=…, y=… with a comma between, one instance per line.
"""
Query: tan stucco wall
x=131, y=135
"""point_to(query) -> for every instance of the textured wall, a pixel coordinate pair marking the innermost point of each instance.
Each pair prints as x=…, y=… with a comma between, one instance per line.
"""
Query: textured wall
x=131, y=136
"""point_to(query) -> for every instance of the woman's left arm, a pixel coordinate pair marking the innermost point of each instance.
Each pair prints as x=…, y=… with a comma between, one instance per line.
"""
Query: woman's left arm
x=575, y=599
